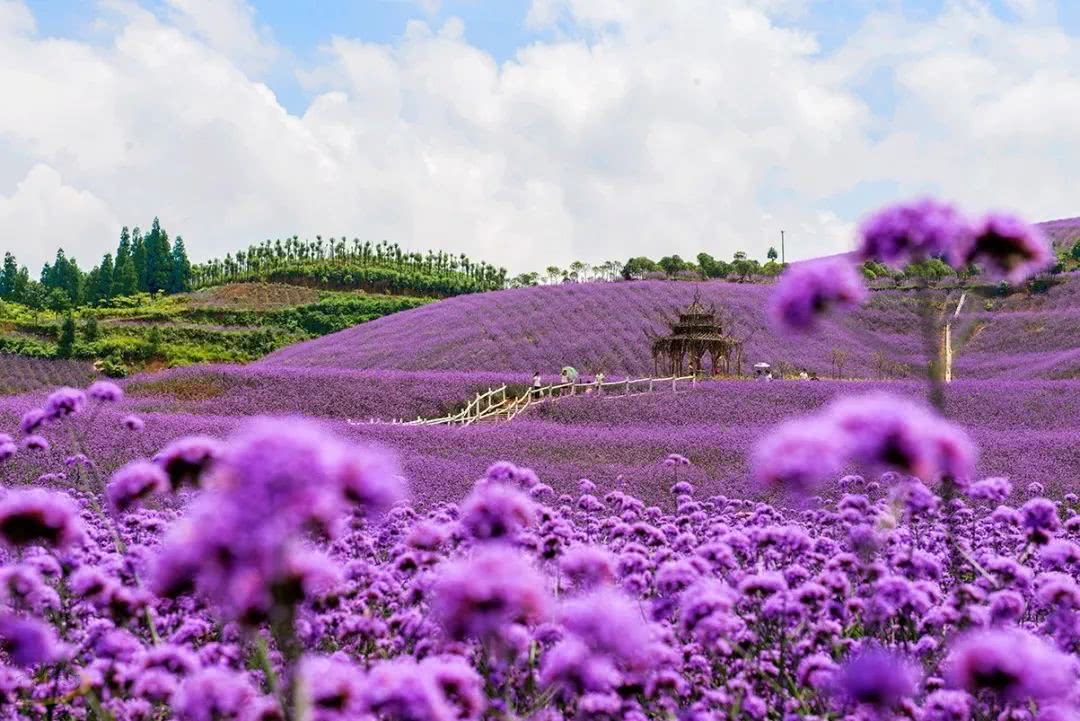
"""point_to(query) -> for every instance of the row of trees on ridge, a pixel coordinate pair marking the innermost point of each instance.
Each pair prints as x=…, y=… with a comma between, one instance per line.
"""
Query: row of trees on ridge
x=338, y=262
x=147, y=263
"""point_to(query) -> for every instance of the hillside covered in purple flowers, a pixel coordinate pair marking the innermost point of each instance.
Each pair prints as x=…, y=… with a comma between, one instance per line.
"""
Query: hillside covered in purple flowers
x=602, y=327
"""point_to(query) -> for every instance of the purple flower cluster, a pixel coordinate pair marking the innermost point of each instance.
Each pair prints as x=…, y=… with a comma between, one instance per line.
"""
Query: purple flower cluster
x=295, y=583
x=879, y=431
x=809, y=290
x=1001, y=244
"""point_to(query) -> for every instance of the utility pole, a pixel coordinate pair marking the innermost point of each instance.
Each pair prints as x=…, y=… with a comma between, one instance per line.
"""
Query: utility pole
x=783, y=257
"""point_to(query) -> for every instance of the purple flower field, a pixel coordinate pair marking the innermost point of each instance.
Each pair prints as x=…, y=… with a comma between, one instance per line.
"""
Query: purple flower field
x=285, y=576
x=343, y=394
x=20, y=374
x=1026, y=429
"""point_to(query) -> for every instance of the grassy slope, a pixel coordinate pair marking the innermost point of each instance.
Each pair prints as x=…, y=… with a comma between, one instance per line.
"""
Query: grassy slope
x=234, y=323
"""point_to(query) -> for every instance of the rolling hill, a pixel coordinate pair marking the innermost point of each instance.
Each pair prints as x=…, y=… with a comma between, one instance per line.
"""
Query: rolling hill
x=603, y=326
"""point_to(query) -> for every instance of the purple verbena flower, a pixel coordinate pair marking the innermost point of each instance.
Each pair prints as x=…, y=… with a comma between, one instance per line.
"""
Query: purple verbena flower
x=37, y=517
x=914, y=231
x=1004, y=247
x=105, y=392
x=1040, y=520
x=877, y=677
x=495, y=511
x=130, y=485
x=797, y=455
x=186, y=460
x=27, y=642
x=480, y=596
x=808, y=291
x=64, y=402
x=214, y=694
x=1011, y=663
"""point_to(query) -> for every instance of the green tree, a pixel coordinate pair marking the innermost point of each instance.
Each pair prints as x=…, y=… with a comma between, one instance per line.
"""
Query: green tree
x=672, y=264
x=772, y=254
x=158, y=258
x=180, y=268
x=931, y=270
x=90, y=329
x=711, y=267
x=21, y=292
x=1075, y=253
x=125, y=278
x=57, y=300
x=153, y=342
x=103, y=288
x=65, y=347
x=32, y=294
x=9, y=277
x=90, y=285
x=743, y=267
x=637, y=268
x=525, y=280
x=64, y=275
x=138, y=259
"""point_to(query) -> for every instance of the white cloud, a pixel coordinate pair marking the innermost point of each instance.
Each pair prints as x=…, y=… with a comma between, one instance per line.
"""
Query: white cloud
x=672, y=127
x=229, y=27
x=29, y=221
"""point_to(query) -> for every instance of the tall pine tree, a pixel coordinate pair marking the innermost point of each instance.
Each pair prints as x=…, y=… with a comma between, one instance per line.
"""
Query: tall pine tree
x=138, y=258
x=125, y=279
x=22, y=286
x=103, y=289
x=180, y=280
x=158, y=258
x=9, y=277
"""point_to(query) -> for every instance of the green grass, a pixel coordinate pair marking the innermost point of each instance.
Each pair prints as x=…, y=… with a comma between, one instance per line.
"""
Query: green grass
x=227, y=324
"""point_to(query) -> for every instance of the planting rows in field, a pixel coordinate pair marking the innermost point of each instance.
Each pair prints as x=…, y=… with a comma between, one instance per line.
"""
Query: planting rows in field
x=22, y=374
x=1026, y=429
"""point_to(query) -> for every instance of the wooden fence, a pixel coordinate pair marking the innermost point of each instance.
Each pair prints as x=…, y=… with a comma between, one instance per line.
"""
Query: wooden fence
x=495, y=404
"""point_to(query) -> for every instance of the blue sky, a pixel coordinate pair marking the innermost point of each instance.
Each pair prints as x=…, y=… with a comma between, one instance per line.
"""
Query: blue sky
x=497, y=26
x=557, y=154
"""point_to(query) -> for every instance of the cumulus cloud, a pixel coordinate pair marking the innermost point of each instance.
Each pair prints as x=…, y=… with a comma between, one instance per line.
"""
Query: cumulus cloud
x=636, y=127
x=229, y=27
x=30, y=221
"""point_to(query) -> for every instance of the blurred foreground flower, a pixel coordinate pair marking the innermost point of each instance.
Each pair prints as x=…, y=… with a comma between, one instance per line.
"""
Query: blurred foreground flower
x=910, y=232
x=877, y=677
x=38, y=517
x=1012, y=664
x=1004, y=247
x=808, y=291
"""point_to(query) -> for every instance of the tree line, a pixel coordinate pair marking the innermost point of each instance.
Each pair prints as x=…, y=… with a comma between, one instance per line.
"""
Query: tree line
x=148, y=263
x=339, y=262
x=740, y=268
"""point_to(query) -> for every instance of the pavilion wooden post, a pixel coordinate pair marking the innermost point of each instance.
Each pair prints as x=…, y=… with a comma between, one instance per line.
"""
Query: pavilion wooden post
x=947, y=341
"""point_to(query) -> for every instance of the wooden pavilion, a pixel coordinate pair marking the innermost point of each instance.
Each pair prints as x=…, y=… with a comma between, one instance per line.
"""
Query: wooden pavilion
x=696, y=334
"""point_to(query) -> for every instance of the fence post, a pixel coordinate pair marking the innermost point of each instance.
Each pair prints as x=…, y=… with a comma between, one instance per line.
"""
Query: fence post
x=651, y=385
x=627, y=387
x=673, y=388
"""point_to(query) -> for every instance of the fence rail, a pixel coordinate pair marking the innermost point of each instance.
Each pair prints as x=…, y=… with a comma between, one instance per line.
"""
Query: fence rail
x=495, y=404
